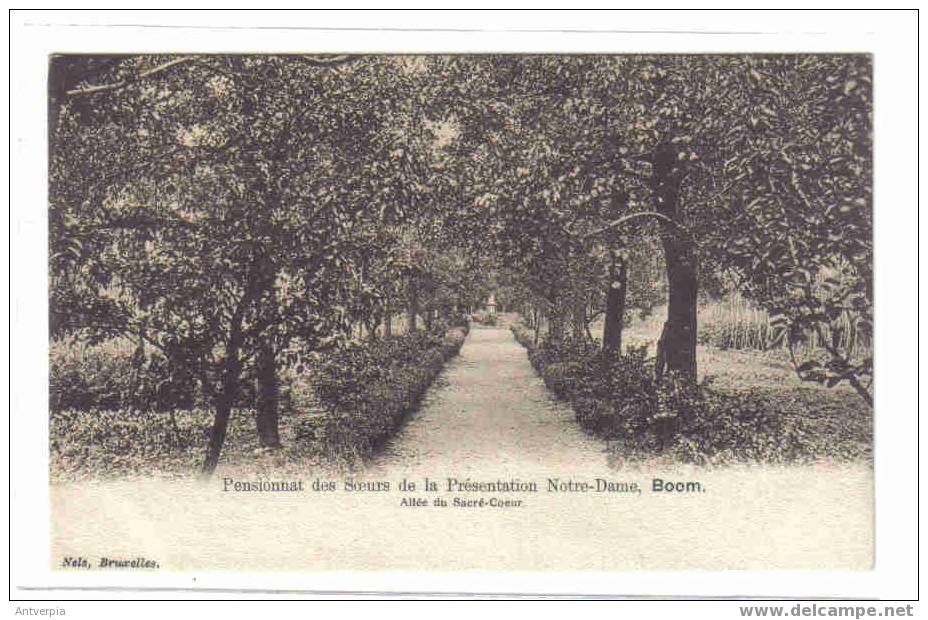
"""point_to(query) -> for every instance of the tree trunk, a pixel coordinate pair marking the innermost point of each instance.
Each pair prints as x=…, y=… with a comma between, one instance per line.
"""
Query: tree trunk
x=615, y=305
x=266, y=410
x=223, y=405
x=260, y=280
x=677, y=345
x=372, y=327
x=217, y=435
x=579, y=320
x=413, y=310
x=387, y=322
x=556, y=328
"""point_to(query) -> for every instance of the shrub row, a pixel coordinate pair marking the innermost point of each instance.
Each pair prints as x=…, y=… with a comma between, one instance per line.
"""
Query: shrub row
x=618, y=398
x=367, y=389
x=484, y=318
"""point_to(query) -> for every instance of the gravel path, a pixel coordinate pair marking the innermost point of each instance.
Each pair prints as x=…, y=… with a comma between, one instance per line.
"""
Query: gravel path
x=489, y=411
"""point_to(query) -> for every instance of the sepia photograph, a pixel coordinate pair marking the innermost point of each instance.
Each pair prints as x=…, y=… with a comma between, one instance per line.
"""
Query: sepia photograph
x=332, y=321
x=263, y=268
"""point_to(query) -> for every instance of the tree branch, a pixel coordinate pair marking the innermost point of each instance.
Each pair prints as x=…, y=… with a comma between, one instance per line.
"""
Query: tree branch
x=90, y=90
x=725, y=189
x=627, y=218
x=328, y=61
x=852, y=376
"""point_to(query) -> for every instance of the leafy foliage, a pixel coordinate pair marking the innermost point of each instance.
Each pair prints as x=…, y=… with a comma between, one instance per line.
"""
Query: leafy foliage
x=367, y=389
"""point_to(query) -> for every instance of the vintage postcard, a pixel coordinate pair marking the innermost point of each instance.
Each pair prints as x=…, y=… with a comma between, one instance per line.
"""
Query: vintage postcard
x=546, y=312
x=295, y=296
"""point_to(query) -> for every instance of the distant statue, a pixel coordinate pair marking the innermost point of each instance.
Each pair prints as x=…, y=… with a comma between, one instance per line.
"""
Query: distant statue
x=491, y=304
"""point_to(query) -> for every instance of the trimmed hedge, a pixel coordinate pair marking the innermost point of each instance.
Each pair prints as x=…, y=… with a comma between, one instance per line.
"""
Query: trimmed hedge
x=368, y=389
x=618, y=398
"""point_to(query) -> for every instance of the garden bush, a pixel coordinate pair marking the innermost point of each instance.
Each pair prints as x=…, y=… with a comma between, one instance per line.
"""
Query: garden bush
x=523, y=335
x=367, y=389
x=617, y=397
x=485, y=318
